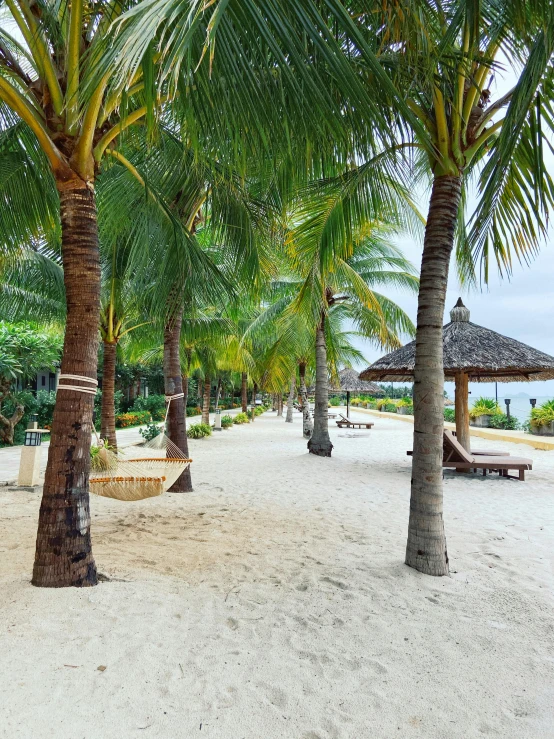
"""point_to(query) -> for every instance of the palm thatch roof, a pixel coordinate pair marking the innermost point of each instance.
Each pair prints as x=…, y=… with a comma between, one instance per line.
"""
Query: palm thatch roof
x=349, y=380
x=484, y=355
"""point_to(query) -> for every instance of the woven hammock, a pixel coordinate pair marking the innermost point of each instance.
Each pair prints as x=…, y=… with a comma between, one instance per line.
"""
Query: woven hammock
x=127, y=488
x=152, y=470
x=170, y=464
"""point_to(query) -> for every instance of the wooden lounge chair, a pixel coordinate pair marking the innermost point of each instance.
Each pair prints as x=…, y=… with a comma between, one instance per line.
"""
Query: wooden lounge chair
x=347, y=423
x=456, y=457
x=476, y=453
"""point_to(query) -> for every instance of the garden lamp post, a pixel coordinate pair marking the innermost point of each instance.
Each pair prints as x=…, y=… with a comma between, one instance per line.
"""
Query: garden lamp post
x=507, y=401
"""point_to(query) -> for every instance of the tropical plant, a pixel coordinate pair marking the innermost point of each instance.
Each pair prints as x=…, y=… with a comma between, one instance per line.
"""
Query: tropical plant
x=449, y=415
x=404, y=402
x=199, y=430
x=24, y=351
x=151, y=431
x=543, y=415
x=502, y=421
x=241, y=418
x=484, y=407
x=226, y=422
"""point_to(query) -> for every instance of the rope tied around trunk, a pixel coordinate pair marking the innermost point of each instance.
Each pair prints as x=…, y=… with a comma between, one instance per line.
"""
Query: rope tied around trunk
x=76, y=388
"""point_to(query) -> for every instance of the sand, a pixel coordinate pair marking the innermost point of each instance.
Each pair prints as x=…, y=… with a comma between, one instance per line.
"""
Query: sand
x=273, y=603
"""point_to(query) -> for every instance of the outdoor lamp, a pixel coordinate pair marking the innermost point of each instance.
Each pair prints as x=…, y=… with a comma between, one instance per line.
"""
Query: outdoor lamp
x=33, y=438
x=217, y=420
x=533, y=402
x=507, y=401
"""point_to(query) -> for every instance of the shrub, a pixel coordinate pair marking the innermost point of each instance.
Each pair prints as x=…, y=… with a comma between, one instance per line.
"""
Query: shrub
x=382, y=403
x=543, y=415
x=226, y=422
x=151, y=431
x=372, y=404
x=334, y=402
x=194, y=410
x=241, y=418
x=199, y=430
x=484, y=407
x=259, y=410
x=124, y=420
x=153, y=404
x=449, y=415
x=405, y=402
x=501, y=421
x=390, y=407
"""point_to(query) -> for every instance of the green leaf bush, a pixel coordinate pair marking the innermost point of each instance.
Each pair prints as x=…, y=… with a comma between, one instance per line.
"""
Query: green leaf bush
x=226, y=422
x=138, y=418
x=501, y=421
x=199, y=430
x=151, y=431
x=241, y=418
x=543, y=415
x=449, y=415
x=484, y=407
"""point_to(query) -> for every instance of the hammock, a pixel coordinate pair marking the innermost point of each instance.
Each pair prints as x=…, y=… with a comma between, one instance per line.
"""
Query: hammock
x=170, y=465
x=145, y=475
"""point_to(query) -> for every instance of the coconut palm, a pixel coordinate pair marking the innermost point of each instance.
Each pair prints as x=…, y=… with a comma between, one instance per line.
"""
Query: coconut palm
x=68, y=96
x=444, y=58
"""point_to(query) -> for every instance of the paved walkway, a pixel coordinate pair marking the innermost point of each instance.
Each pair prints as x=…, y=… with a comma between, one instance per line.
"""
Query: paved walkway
x=516, y=437
x=9, y=456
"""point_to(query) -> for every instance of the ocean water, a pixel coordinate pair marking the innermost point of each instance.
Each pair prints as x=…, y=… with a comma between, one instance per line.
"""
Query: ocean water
x=519, y=407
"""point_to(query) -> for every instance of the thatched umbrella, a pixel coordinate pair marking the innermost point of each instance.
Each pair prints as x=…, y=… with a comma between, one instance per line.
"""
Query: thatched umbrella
x=470, y=353
x=349, y=380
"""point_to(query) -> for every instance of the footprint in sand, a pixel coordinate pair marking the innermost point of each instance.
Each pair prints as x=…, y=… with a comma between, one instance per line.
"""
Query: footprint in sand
x=336, y=583
x=232, y=623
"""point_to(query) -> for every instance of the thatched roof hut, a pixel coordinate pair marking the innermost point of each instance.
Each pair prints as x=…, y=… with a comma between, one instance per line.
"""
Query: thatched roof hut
x=349, y=380
x=482, y=354
x=471, y=353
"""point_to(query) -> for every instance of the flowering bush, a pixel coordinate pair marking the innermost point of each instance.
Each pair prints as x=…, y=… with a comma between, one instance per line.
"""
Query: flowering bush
x=137, y=418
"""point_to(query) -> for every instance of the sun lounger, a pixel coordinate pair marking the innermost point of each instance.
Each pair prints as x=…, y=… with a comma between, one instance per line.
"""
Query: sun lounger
x=457, y=458
x=347, y=423
x=474, y=452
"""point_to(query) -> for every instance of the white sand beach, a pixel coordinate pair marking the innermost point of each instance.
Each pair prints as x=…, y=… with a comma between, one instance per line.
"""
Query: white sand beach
x=273, y=603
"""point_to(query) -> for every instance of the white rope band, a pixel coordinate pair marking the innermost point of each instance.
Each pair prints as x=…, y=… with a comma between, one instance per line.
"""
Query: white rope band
x=77, y=389
x=168, y=398
x=78, y=377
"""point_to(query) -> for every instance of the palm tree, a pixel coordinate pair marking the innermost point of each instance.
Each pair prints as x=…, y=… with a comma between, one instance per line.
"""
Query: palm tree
x=336, y=273
x=443, y=58
x=74, y=94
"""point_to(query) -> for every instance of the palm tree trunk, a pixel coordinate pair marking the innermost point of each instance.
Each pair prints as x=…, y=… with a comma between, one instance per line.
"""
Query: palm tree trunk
x=426, y=548
x=107, y=425
x=307, y=425
x=290, y=401
x=320, y=442
x=244, y=393
x=63, y=554
x=206, y=401
x=173, y=385
x=218, y=392
x=280, y=404
x=253, y=404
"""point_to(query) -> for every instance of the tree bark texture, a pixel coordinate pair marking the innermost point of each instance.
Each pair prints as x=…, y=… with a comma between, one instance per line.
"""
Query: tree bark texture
x=320, y=442
x=280, y=404
x=218, y=392
x=63, y=554
x=290, y=400
x=173, y=385
x=107, y=423
x=206, y=400
x=462, y=409
x=244, y=393
x=307, y=425
x=253, y=404
x=9, y=424
x=426, y=547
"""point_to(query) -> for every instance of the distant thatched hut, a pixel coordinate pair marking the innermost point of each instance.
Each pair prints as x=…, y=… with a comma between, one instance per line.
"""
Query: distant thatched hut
x=471, y=353
x=349, y=381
